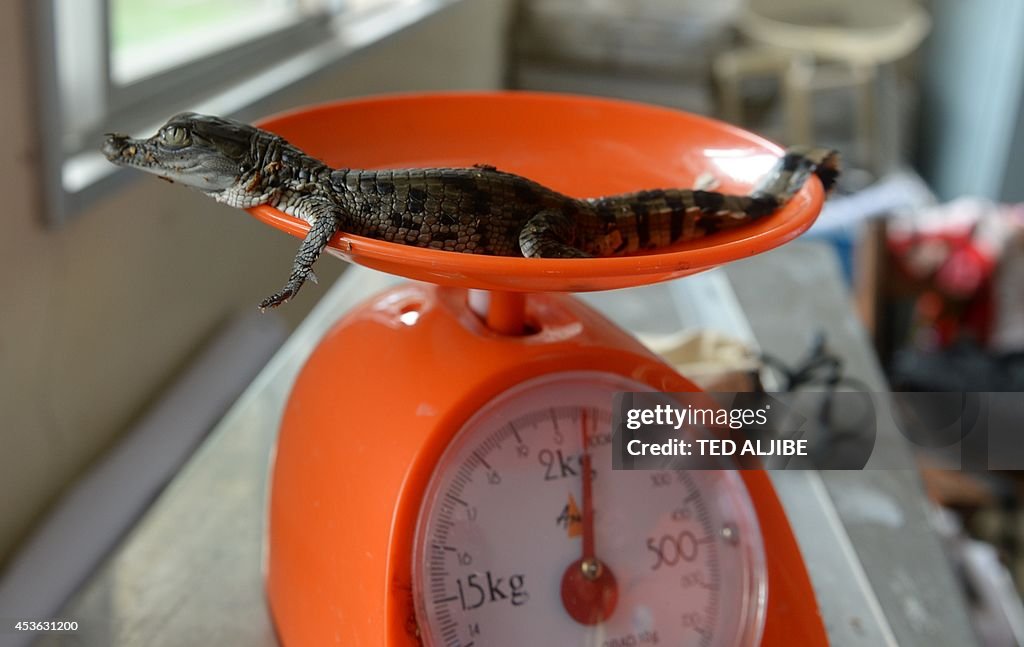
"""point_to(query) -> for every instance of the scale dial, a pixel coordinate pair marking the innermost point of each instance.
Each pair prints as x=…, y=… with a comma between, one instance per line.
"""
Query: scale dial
x=515, y=545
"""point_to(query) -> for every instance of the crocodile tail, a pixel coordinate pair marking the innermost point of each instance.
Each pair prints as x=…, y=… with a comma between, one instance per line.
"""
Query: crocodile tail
x=653, y=219
x=786, y=177
x=792, y=170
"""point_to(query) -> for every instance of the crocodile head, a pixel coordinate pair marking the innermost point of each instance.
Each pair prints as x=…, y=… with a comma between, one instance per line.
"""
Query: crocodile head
x=204, y=152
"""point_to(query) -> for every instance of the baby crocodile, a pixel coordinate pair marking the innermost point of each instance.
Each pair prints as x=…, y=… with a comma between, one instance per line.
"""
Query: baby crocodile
x=477, y=210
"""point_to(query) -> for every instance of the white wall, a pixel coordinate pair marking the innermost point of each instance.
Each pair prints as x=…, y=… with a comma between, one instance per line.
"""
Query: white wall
x=96, y=317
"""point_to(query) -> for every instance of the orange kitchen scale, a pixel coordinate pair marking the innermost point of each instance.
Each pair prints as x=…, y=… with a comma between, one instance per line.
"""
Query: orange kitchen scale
x=443, y=471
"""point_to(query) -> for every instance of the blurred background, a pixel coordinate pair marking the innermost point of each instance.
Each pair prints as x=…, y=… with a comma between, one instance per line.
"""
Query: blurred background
x=117, y=287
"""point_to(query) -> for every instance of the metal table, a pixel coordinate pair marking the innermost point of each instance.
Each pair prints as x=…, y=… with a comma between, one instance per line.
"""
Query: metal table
x=190, y=573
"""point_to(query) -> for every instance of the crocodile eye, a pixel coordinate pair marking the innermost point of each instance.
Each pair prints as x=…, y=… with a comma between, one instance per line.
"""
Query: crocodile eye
x=175, y=136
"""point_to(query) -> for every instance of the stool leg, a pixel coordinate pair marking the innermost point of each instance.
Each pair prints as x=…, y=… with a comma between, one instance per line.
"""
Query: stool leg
x=727, y=78
x=867, y=134
x=797, y=88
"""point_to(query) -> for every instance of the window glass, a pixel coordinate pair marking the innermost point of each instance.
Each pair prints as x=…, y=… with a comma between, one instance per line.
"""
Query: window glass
x=150, y=36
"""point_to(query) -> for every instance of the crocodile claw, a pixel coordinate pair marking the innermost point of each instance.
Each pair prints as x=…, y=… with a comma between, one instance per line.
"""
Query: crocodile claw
x=275, y=300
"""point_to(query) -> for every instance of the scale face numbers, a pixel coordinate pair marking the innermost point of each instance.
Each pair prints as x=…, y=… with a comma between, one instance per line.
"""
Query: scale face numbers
x=514, y=546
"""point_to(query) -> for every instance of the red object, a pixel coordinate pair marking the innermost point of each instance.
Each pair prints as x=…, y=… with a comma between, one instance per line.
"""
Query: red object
x=952, y=252
x=380, y=398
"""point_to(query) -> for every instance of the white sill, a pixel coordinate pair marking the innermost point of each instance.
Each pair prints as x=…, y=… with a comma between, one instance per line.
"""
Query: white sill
x=88, y=176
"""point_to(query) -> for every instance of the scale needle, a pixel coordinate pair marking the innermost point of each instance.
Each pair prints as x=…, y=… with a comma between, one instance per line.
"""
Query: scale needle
x=589, y=590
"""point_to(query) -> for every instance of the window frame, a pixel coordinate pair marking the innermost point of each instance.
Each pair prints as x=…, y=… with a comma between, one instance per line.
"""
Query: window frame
x=242, y=81
x=201, y=76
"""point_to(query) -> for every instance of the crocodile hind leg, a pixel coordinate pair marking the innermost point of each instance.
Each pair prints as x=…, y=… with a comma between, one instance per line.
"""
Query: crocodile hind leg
x=545, y=236
x=320, y=232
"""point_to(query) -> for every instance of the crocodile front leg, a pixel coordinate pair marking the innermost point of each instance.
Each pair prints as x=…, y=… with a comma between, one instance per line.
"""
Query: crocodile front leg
x=325, y=224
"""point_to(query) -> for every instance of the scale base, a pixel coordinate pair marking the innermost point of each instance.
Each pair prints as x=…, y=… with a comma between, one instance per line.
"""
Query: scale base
x=370, y=414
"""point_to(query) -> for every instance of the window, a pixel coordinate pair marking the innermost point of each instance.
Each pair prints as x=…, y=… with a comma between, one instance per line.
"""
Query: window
x=127, y=65
x=151, y=36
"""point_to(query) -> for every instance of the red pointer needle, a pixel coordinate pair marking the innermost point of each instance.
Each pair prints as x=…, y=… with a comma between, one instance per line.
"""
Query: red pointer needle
x=589, y=591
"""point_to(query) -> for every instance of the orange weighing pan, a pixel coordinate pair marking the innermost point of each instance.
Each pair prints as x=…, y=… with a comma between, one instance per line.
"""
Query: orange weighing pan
x=580, y=146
